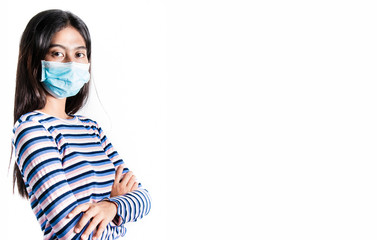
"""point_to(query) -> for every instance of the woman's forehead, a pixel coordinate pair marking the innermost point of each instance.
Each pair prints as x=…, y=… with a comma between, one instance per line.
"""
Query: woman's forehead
x=68, y=37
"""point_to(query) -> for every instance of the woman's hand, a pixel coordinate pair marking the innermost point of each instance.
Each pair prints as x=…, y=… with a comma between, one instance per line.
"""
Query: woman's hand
x=123, y=185
x=99, y=214
x=102, y=213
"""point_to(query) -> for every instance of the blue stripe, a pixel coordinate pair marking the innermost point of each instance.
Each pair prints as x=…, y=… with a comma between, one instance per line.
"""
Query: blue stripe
x=125, y=170
x=104, y=138
x=39, y=214
x=69, y=226
x=92, y=185
x=138, y=204
x=90, y=173
x=148, y=200
x=82, y=154
x=31, y=116
x=63, y=213
x=35, y=154
x=86, y=163
x=48, y=230
x=76, y=136
x=28, y=130
x=51, y=190
x=80, y=145
x=43, y=225
x=42, y=165
x=141, y=205
x=34, y=203
x=47, y=120
x=119, y=162
x=70, y=127
x=108, y=146
x=47, y=176
x=113, y=154
x=33, y=141
x=56, y=201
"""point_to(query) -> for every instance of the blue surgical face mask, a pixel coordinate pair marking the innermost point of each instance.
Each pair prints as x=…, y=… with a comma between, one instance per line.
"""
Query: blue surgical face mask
x=63, y=80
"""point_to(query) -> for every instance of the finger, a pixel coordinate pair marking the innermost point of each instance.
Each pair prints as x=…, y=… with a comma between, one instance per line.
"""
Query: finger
x=135, y=186
x=84, y=220
x=126, y=178
x=100, y=229
x=131, y=182
x=80, y=208
x=118, y=174
x=92, y=225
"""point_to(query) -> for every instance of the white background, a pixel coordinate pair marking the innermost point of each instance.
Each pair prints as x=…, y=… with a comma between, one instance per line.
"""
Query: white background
x=244, y=119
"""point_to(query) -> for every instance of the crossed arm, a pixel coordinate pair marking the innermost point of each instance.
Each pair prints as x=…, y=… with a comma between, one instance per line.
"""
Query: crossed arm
x=102, y=213
x=41, y=166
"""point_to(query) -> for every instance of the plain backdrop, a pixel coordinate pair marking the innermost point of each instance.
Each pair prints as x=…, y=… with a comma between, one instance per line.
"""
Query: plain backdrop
x=244, y=119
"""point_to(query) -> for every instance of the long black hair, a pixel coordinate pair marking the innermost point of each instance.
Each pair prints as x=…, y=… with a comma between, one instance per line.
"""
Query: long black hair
x=35, y=42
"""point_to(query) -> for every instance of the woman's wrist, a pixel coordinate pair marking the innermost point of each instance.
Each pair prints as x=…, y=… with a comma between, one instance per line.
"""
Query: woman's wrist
x=114, y=207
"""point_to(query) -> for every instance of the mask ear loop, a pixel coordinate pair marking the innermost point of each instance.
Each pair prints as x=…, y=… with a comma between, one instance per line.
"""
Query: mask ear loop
x=95, y=88
x=12, y=159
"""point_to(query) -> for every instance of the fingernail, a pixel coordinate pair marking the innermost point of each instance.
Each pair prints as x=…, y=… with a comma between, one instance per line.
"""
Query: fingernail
x=77, y=230
x=69, y=215
x=83, y=236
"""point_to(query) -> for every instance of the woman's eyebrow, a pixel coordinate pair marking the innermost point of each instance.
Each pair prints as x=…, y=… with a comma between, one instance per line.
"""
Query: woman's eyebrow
x=61, y=46
x=81, y=47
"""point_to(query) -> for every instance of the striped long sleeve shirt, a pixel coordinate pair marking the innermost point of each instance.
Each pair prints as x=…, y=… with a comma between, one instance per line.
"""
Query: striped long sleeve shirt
x=67, y=162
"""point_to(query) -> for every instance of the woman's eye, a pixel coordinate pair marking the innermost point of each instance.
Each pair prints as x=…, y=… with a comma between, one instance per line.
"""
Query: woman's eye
x=80, y=55
x=57, y=54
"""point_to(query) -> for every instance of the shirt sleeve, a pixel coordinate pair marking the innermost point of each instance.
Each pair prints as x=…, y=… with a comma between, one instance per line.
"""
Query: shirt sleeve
x=40, y=163
x=133, y=205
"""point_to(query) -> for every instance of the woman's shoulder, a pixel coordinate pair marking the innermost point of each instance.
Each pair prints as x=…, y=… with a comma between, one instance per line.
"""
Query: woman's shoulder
x=27, y=124
x=38, y=123
x=39, y=120
x=30, y=118
x=85, y=119
x=45, y=120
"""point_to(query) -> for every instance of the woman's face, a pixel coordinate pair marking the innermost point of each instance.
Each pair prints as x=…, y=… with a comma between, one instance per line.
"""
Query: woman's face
x=67, y=45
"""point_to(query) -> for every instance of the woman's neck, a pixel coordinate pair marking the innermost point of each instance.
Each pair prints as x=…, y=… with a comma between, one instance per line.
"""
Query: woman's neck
x=55, y=107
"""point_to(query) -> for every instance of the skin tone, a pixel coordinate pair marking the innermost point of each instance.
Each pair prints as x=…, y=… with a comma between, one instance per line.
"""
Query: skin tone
x=68, y=45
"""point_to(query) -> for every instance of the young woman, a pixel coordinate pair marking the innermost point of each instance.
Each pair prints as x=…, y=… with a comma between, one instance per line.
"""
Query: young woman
x=77, y=184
